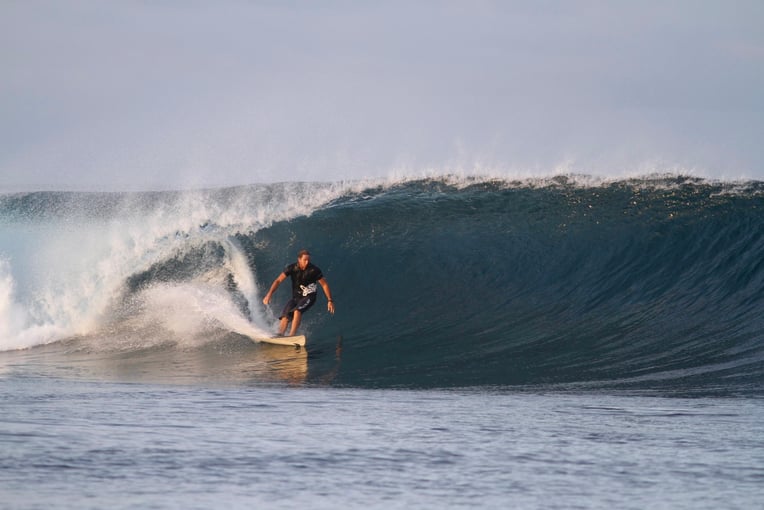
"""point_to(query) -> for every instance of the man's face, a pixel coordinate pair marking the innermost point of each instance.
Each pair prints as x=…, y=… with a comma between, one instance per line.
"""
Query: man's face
x=303, y=261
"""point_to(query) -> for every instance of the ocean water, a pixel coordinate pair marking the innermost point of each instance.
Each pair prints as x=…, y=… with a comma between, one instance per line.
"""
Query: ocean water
x=549, y=343
x=75, y=444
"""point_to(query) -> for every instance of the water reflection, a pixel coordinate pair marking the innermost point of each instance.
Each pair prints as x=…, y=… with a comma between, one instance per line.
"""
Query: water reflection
x=232, y=361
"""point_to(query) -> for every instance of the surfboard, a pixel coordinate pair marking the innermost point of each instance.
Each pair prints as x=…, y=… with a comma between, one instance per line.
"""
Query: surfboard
x=294, y=341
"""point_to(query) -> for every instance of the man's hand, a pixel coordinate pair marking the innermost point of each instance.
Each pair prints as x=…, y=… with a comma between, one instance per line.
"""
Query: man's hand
x=274, y=286
x=330, y=307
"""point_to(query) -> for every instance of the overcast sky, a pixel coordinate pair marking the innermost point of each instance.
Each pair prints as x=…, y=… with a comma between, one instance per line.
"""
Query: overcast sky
x=127, y=95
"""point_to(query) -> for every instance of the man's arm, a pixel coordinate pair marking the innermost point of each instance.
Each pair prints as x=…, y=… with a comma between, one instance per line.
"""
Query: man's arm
x=274, y=286
x=328, y=293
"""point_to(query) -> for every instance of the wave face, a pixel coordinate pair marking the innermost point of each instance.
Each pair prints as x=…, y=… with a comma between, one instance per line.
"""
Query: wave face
x=643, y=284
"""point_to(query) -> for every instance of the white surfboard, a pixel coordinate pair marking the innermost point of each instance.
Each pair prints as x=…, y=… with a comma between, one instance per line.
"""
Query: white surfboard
x=294, y=341
x=259, y=335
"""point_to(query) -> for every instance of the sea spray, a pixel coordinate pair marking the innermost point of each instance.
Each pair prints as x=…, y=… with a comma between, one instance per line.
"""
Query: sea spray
x=16, y=330
x=79, y=255
x=12, y=319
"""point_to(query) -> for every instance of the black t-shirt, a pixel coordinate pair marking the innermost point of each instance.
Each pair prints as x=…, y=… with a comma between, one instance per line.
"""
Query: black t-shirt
x=303, y=281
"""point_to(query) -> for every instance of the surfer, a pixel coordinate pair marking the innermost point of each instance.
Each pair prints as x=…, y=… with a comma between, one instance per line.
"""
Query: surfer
x=304, y=291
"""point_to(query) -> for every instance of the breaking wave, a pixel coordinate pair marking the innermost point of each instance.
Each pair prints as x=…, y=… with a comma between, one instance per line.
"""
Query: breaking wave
x=444, y=282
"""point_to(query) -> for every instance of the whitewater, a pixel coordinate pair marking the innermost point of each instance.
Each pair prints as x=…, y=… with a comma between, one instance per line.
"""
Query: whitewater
x=552, y=342
x=74, y=253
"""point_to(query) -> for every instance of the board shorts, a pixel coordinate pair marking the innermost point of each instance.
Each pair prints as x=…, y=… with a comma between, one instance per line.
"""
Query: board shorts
x=302, y=304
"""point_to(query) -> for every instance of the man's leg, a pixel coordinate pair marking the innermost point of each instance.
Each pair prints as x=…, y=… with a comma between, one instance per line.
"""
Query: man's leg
x=295, y=322
x=283, y=325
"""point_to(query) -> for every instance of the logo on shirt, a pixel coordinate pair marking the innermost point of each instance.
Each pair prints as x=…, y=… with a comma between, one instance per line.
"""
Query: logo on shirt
x=308, y=289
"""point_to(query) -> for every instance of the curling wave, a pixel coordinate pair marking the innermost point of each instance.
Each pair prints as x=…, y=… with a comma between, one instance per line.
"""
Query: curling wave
x=642, y=283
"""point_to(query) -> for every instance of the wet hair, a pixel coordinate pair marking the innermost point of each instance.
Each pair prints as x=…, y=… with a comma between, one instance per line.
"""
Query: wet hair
x=303, y=252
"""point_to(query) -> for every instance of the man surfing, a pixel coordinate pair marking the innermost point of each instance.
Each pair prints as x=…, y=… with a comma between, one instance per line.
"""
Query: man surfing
x=304, y=291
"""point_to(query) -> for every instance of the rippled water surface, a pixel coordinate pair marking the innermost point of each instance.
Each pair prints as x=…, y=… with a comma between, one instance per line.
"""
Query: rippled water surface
x=77, y=444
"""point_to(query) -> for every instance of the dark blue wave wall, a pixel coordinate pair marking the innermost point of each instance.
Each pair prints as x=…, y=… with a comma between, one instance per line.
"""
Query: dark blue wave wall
x=650, y=283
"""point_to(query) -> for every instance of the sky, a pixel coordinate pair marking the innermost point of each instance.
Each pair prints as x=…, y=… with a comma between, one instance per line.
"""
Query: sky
x=171, y=94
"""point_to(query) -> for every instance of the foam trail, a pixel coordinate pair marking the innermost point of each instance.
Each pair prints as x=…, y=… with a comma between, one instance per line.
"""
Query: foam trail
x=243, y=276
x=191, y=311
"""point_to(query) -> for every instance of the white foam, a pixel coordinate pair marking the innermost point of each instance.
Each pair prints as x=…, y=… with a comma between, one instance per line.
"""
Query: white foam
x=78, y=264
x=15, y=329
x=12, y=316
x=188, y=310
